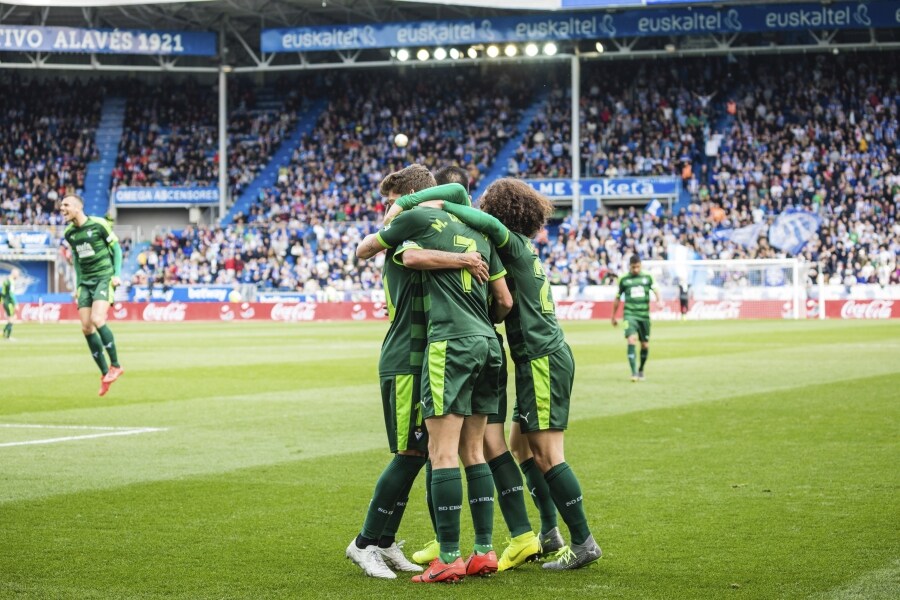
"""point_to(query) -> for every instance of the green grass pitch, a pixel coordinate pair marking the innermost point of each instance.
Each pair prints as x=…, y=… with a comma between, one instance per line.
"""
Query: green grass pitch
x=758, y=460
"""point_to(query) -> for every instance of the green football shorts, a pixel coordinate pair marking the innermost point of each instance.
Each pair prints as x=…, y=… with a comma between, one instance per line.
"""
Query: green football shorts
x=502, y=401
x=543, y=391
x=9, y=308
x=461, y=376
x=638, y=327
x=93, y=291
x=400, y=396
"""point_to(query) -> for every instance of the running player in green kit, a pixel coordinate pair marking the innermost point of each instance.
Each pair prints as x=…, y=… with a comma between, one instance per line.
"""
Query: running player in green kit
x=8, y=300
x=97, y=259
x=544, y=366
x=635, y=288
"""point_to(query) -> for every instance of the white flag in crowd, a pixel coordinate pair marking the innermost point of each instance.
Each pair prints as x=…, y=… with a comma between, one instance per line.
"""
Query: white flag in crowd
x=747, y=236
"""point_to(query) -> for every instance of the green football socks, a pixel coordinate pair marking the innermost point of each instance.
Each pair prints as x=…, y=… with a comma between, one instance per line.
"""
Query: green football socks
x=480, y=486
x=396, y=477
x=566, y=492
x=429, y=497
x=644, y=353
x=389, y=534
x=447, y=494
x=96, y=345
x=7, y=331
x=540, y=493
x=109, y=342
x=631, y=359
x=510, y=493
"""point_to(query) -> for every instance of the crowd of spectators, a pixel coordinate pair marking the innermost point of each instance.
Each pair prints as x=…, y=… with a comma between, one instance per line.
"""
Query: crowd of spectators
x=317, y=257
x=461, y=116
x=46, y=140
x=171, y=133
x=642, y=119
x=817, y=134
x=750, y=138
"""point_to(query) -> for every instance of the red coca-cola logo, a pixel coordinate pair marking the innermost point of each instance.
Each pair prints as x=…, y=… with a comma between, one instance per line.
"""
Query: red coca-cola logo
x=875, y=309
x=301, y=311
x=225, y=313
x=173, y=311
x=379, y=310
x=247, y=311
x=120, y=312
x=813, y=308
x=358, y=313
x=50, y=311
x=576, y=311
x=715, y=310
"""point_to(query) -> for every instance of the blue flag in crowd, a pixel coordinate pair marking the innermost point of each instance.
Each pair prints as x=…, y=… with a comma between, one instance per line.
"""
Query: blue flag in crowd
x=654, y=207
x=792, y=229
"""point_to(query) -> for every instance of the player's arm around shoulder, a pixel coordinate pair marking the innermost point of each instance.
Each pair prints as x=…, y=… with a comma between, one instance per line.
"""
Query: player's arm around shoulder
x=369, y=247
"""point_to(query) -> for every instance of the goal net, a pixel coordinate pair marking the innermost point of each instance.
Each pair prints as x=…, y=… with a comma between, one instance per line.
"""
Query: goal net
x=729, y=289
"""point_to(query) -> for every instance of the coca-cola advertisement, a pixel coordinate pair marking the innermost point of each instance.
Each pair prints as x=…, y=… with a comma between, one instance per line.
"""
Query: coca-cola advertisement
x=49, y=312
x=861, y=309
x=302, y=312
x=170, y=311
x=580, y=311
x=293, y=312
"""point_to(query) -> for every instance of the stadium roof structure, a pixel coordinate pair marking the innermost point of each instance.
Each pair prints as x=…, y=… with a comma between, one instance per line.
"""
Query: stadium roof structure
x=238, y=25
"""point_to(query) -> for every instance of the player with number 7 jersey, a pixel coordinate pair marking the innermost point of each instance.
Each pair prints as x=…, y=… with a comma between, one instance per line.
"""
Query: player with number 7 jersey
x=545, y=368
x=456, y=305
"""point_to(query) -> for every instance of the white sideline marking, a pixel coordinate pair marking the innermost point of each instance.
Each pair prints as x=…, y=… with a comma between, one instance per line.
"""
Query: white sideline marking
x=107, y=432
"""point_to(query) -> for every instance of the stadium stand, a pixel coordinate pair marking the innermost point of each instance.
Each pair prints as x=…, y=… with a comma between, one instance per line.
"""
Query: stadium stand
x=170, y=135
x=750, y=138
x=46, y=140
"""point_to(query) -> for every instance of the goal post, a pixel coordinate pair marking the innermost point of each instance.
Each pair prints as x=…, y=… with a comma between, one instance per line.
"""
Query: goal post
x=730, y=289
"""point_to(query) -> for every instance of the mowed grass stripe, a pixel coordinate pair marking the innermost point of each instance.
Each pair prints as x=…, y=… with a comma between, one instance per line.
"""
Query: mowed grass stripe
x=879, y=584
x=763, y=496
x=212, y=433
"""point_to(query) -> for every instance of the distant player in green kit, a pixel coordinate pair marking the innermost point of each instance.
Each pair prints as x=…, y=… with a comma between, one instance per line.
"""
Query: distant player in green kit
x=8, y=300
x=97, y=259
x=635, y=288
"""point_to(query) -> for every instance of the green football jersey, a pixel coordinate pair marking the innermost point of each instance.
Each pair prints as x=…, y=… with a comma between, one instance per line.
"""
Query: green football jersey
x=532, y=330
x=635, y=290
x=90, y=245
x=456, y=304
x=404, y=344
x=7, y=294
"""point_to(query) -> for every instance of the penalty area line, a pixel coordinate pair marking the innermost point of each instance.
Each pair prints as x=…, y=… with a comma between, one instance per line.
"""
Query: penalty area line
x=103, y=432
